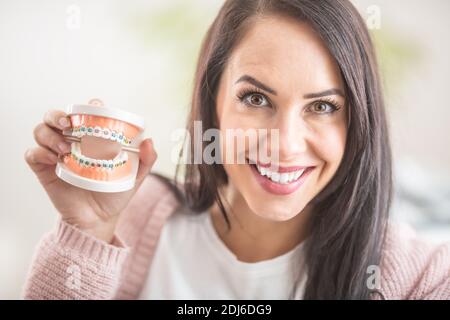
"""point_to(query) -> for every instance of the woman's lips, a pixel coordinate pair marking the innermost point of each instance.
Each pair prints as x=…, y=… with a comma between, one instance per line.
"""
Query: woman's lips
x=277, y=187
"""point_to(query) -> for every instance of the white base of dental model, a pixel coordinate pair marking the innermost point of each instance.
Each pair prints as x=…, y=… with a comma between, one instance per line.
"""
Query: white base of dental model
x=121, y=185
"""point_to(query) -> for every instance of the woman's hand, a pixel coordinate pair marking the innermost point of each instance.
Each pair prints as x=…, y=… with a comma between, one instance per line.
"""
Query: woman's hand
x=93, y=212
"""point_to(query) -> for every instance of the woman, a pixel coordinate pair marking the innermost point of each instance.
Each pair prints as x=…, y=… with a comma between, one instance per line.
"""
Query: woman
x=310, y=223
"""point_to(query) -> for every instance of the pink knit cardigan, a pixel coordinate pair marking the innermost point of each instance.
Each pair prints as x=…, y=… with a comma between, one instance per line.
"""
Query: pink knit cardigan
x=69, y=264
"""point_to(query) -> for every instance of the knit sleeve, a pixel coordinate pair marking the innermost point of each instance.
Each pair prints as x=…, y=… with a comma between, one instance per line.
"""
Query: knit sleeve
x=441, y=292
x=71, y=264
x=434, y=282
x=413, y=268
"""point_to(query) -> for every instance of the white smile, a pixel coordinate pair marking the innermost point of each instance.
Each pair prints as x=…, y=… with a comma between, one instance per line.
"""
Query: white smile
x=278, y=177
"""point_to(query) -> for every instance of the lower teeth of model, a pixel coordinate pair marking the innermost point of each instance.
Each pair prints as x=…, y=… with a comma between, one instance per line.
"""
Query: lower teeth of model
x=84, y=161
x=281, y=178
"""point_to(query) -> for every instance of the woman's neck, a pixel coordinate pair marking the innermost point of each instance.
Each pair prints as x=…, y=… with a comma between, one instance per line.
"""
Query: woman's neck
x=253, y=238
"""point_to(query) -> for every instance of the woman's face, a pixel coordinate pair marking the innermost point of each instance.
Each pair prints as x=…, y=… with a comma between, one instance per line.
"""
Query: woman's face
x=281, y=76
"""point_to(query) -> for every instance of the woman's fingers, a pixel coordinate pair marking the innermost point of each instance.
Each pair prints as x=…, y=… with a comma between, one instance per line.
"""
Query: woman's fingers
x=56, y=119
x=147, y=156
x=42, y=161
x=39, y=155
x=59, y=120
x=49, y=138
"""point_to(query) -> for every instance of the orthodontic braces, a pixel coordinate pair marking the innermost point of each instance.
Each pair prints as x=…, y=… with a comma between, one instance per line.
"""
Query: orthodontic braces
x=100, y=132
x=87, y=162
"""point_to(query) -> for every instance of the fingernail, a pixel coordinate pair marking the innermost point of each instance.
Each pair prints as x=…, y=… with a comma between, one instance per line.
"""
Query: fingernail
x=96, y=102
x=64, y=147
x=64, y=122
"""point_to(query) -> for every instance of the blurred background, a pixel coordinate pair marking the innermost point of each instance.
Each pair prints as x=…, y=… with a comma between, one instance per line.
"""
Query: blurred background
x=140, y=56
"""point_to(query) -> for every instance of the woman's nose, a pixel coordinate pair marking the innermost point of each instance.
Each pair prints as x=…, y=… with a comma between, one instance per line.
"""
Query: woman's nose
x=292, y=137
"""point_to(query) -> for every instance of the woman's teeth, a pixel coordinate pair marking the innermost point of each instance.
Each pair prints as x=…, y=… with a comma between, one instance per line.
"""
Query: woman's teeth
x=281, y=178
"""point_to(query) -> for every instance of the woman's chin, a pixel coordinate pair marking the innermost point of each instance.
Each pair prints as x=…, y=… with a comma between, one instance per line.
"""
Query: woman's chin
x=275, y=213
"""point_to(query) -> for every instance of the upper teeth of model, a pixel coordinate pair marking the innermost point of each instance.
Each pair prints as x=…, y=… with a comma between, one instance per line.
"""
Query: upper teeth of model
x=100, y=132
x=278, y=177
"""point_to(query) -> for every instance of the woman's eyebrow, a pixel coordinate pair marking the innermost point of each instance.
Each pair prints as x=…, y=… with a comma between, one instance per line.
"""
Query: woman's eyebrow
x=256, y=83
x=259, y=84
x=325, y=93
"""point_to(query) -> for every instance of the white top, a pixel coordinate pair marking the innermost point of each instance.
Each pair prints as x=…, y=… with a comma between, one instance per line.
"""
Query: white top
x=192, y=262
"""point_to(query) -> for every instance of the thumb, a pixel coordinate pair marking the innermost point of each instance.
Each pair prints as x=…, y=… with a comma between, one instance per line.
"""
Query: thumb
x=147, y=157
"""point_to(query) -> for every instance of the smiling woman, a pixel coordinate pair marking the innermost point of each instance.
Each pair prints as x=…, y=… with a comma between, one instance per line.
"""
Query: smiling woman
x=312, y=130
x=302, y=68
x=309, y=223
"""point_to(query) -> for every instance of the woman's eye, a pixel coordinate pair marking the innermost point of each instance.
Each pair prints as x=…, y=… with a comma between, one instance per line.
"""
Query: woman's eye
x=323, y=107
x=256, y=100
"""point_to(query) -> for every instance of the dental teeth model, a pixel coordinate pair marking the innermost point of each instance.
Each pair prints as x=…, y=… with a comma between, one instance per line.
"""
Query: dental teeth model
x=97, y=161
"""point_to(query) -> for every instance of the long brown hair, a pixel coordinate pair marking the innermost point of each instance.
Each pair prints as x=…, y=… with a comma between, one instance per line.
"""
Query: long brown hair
x=351, y=212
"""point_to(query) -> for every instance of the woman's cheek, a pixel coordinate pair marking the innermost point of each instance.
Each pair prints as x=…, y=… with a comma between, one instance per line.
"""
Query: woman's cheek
x=330, y=146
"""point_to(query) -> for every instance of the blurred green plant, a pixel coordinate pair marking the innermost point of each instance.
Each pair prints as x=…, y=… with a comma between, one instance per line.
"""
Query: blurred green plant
x=398, y=56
